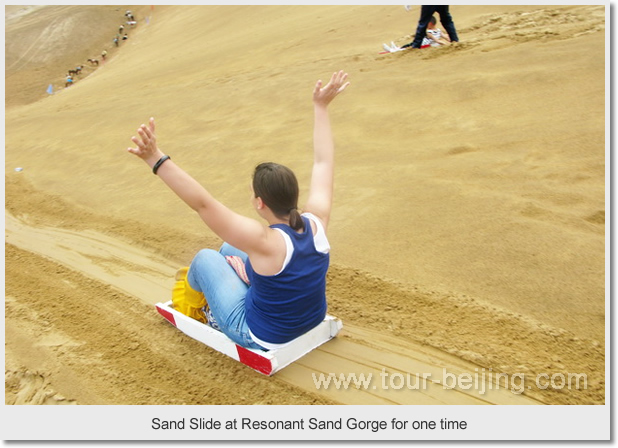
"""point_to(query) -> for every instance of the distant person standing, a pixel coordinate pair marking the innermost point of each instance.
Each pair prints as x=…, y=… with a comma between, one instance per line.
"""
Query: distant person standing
x=434, y=38
x=103, y=55
x=121, y=29
x=426, y=13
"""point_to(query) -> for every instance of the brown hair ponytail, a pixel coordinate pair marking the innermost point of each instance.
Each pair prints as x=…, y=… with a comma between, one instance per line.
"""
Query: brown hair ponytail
x=296, y=222
x=278, y=187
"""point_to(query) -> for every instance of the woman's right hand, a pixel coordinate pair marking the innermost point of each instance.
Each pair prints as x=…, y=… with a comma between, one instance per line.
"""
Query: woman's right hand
x=147, y=148
x=322, y=96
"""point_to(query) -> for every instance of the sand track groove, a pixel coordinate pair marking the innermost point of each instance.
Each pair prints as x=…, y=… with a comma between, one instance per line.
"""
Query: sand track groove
x=145, y=279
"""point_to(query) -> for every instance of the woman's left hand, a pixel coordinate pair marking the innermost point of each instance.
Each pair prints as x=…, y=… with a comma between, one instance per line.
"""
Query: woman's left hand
x=322, y=96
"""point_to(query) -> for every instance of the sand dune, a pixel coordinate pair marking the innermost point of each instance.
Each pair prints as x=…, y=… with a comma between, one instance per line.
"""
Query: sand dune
x=469, y=215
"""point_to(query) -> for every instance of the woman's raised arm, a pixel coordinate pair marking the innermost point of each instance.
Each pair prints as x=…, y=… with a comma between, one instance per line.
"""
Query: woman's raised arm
x=242, y=232
x=320, y=197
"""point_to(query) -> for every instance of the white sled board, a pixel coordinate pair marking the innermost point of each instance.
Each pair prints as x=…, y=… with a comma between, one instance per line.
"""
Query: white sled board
x=266, y=362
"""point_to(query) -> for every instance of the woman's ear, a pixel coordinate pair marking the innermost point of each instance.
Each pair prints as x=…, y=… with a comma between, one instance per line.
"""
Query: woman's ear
x=259, y=203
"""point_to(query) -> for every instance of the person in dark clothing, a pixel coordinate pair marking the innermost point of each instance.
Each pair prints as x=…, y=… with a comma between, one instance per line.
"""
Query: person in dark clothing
x=445, y=19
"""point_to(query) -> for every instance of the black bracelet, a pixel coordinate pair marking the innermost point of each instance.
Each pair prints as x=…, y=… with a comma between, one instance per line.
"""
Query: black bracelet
x=156, y=166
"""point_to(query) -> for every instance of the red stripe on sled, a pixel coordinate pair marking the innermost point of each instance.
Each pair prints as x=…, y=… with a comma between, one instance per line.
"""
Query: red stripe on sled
x=169, y=316
x=255, y=361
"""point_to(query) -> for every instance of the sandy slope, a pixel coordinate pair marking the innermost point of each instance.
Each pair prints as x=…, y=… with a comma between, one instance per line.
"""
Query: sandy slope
x=469, y=214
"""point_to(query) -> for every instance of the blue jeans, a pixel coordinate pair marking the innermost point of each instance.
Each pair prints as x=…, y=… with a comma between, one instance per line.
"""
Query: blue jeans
x=445, y=19
x=225, y=292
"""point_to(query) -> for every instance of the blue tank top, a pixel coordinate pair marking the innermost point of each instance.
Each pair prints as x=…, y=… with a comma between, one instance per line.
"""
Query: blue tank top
x=282, y=307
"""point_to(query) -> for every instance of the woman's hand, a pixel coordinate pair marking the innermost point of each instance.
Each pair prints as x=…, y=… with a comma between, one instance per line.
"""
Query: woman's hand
x=147, y=148
x=322, y=96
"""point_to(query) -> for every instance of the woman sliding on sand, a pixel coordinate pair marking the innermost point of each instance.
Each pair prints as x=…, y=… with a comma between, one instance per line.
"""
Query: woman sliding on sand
x=286, y=258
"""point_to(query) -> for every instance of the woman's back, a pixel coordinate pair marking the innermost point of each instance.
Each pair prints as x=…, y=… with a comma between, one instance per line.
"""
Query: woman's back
x=281, y=307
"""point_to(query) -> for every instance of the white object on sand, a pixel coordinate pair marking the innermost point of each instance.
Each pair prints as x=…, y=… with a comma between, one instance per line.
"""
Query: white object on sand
x=392, y=48
x=18, y=169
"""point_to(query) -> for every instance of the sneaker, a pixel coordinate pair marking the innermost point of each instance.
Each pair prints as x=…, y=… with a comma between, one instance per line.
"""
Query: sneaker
x=387, y=48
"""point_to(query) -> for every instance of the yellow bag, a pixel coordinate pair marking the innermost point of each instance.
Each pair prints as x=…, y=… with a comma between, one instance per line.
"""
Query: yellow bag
x=186, y=299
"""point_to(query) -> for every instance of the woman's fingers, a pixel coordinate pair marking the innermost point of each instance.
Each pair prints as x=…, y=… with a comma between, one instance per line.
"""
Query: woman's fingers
x=341, y=80
x=137, y=141
x=334, y=87
x=148, y=135
x=342, y=88
x=338, y=77
x=338, y=81
x=148, y=132
x=145, y=140
x=318, y=87
x=342, y=77
x=332, y=82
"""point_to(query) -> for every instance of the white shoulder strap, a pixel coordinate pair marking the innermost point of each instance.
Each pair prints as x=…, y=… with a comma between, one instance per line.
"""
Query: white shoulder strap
x=319, y=239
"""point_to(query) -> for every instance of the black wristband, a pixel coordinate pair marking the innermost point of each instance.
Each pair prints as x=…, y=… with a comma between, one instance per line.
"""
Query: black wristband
x=156, y=166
